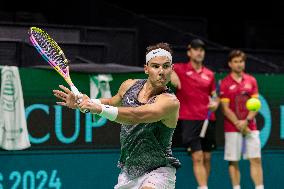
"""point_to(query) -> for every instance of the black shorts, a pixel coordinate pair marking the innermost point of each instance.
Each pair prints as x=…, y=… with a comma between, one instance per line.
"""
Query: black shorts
x=190, y=135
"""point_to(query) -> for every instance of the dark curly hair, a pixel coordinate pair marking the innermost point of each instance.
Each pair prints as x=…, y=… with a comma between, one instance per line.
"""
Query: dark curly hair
x=236, y=53
x=161, y=45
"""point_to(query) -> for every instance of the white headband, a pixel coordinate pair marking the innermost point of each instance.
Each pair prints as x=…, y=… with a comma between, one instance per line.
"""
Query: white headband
x=158, y=52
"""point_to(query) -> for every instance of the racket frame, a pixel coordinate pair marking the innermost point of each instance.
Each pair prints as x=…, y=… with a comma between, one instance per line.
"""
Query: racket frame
x=64, y=73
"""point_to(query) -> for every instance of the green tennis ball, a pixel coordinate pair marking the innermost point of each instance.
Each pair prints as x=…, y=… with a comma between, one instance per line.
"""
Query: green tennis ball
x=253, y=104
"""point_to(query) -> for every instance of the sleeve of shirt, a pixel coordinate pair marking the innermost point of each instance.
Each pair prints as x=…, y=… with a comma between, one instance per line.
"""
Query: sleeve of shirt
x=254, y=88
x=224, y=92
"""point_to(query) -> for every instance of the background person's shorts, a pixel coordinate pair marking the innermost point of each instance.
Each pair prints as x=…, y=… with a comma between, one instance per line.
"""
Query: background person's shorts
x=190, y=135
x=233, y=146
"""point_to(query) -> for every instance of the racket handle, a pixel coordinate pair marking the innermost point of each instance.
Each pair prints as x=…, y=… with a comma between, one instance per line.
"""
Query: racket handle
x=75, y=90
x=204, y=128
x=79, y=95
x=205, y=125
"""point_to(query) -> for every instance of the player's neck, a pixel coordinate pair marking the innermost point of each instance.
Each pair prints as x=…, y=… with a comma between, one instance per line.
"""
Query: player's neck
x=238, y=76
x=149, y=90
x=197, y=66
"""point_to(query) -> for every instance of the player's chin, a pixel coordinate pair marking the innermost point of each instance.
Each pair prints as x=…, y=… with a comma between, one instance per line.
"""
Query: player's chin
x=240, y=70
x=199, y=59
x=162, y=82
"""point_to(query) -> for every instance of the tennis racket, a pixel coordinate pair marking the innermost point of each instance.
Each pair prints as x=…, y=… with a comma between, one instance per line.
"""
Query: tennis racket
x=206, y=121
x=242, y=112
x=53, y=54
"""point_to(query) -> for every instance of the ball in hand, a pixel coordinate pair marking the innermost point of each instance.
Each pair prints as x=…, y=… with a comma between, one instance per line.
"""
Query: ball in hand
x=253, y=104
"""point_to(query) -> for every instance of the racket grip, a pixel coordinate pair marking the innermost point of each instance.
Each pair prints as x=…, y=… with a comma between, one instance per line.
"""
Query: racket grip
x=75, y=90
x=79, y=95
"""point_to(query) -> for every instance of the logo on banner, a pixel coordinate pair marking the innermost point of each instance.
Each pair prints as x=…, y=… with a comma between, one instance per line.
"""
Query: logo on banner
x=100, y=88
x=9, y=94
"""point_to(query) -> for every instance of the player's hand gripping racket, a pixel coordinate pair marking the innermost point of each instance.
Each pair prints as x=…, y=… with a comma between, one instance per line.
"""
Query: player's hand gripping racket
x=53, y=54
x=206, y=122
x=241, y=113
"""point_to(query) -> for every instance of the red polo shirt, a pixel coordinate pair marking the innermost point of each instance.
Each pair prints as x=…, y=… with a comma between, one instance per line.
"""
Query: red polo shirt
x=196, y=87
x=229, y=89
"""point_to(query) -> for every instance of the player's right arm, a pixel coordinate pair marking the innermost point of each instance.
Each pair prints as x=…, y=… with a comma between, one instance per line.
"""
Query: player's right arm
x=225, y=106
x=228, y=113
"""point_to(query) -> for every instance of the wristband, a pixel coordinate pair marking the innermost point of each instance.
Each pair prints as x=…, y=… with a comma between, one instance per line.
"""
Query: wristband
x=109, y=112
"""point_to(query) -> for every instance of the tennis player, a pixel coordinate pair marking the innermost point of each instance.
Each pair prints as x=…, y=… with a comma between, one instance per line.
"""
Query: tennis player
x=236, y=83
x=195, y=85
x=148, y=113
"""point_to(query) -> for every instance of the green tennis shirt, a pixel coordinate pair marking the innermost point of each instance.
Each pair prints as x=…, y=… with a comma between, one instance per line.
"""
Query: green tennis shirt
x=144, y=146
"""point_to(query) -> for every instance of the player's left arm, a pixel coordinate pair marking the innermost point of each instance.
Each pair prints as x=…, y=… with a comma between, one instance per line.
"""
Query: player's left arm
x=165, y=108
x=214, y=98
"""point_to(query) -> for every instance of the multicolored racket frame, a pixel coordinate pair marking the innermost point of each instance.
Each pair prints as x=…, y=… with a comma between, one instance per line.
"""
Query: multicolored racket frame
x=52, y=54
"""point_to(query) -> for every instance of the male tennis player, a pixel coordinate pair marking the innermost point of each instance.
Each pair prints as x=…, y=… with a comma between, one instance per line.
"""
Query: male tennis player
x=195, y=85
x=148, y=113
x=237, y=83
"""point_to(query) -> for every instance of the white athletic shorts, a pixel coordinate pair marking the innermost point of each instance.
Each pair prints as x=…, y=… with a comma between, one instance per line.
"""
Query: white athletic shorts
x=160, y=178
x=233, y=146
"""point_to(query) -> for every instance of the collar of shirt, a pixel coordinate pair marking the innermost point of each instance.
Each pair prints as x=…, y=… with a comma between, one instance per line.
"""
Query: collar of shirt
x=190, y=68
x=242, y=80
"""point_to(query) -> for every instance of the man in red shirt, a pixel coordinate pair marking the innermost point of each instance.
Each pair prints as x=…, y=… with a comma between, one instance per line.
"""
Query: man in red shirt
x=239, y=124
x=195, y=85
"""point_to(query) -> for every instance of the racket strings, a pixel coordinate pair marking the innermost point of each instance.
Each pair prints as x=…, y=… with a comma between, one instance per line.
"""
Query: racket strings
x=50, y=48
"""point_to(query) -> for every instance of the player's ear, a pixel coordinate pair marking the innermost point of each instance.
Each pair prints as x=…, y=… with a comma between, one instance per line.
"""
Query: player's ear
x=230, y=64
x=188, y=52
x=146, y=68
